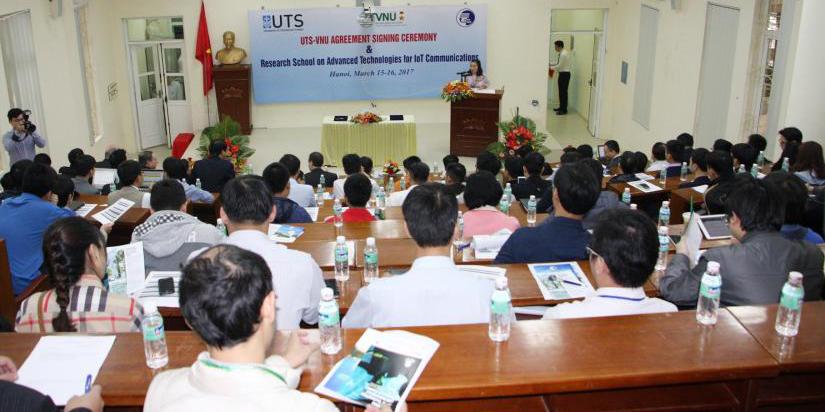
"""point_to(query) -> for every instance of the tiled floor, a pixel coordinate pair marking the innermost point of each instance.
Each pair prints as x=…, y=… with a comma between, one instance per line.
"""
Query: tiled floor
x=570, y=129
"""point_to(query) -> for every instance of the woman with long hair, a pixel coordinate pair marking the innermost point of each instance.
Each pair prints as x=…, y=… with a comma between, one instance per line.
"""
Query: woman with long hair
x=476, y=77
x=810, y=165
x=74, y=253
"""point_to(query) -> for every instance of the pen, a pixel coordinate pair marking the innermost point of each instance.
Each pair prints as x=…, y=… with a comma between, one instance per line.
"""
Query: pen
x=570, y=282
x=88, y=382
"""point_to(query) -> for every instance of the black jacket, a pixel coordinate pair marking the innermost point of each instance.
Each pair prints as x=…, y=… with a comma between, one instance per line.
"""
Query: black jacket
x=533, y=185
x=213, y=172
x=314, y=177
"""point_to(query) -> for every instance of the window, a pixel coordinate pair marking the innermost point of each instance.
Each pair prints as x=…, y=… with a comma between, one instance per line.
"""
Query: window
x=22, y=78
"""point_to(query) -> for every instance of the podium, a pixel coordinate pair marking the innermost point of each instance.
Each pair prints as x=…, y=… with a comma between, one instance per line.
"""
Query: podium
x=232, y=90
x=473, y=123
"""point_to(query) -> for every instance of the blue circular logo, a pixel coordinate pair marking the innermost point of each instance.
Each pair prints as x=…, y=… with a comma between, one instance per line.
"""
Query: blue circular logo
x=465, y=18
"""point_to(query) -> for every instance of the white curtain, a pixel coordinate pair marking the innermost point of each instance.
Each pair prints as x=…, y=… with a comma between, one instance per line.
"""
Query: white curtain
x=20, y=64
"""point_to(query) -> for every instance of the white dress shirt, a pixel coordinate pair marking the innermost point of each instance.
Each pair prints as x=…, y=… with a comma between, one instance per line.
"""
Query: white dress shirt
x=301, y=194
x=211, y=385
x=433, y=292
x=296, y=277
x=338, y=187
x=658, y=166
x=564, y=64
x=397, y=198
x=610, y=302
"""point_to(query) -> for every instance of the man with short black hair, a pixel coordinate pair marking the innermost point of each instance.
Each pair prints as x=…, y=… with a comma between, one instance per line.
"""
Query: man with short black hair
x=575, y=192
x=43, y=158
x=607, y=200
x=24, y=219
x=611, y=154
x=686, y=139
x=214, y=171
x=454, y=176
x=227, y=297
x=170, y=235
x=563, y=66
x=246, y=209
x=757, y=265
x=623, y=255
x=720, y=173
x=759, y=143
x=21, y=140
x=489, y=162
x=178, y=169
x=357, y=192
x=699, y=169
x=513, y=169
x=277, y=177
x=743, y=154
x=300, y=193
x=675, y=155
x=147, y=160
x=533, y=185
x=585, y=150
x=352, y=165
x=419, y=174
x=722, y=145
x=449, y=159
x=84, y=172
x=451, y=296
x=316, y=170
x=130, y=177
x=659, y=154
x=795, y=196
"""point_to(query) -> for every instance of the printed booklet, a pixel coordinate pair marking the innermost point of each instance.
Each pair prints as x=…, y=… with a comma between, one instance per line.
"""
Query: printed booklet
x=561, y=281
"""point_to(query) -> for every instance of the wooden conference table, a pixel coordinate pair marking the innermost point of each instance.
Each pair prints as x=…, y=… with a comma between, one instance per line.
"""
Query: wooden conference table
x=122, y=230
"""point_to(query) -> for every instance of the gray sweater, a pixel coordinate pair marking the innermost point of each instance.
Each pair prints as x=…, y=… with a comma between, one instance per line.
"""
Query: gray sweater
x=169, y=237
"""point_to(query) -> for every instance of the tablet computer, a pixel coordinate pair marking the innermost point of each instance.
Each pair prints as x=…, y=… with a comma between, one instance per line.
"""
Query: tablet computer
x=714, y=227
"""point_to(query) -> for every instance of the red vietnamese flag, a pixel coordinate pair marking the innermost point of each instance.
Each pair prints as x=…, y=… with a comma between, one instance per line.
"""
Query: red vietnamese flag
x=203, y=51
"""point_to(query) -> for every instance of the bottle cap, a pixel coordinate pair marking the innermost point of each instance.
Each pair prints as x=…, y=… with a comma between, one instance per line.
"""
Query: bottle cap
x=501, y=282
x=713, y=267
x=220, y=221
x=627, y=190
x=370, y=241
x=663, y=230
x=532, y=197
x=795, y=276
x=327, y=294
x=340, y=239
x=665, y=203
x=684, y=163
x=149, y=307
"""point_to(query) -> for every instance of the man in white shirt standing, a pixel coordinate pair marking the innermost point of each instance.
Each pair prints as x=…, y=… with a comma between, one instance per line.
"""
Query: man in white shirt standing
x=563, y=66
x=623, y=254
x=419, y=174
x=450, y=296
x=299, y=193
x=247, y=209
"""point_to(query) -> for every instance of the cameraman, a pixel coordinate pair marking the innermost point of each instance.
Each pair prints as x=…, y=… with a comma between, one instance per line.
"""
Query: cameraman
x=22, y=138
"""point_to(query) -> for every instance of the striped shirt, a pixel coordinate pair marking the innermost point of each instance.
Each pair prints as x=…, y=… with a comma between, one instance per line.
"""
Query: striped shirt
x=91, y=309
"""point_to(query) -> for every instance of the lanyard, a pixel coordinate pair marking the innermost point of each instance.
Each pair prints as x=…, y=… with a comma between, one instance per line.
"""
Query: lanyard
x=622, y=298
x=230, y=368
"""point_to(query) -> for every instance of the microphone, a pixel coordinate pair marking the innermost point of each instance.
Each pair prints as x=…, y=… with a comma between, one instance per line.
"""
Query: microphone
x=467, y=73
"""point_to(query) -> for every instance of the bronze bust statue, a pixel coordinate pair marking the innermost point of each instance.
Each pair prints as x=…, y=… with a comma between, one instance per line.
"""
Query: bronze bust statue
x=230, y=54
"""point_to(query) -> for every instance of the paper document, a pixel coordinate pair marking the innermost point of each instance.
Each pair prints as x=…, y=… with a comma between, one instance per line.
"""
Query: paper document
x=383, y=367
x=692, y=237
x=559, y=281
x=486, y=272
x=125, y=268
x=150, y=292
x=58, y=366
x=644, y=176
x=644, y=186
x=84, y=210
x=701, y=189
x=112, y=213
x=488, y=246
x=285, y=233
x=313, y=213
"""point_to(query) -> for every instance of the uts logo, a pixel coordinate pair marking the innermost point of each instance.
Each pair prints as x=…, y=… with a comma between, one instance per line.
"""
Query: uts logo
x=283, y=22
x=465, y=18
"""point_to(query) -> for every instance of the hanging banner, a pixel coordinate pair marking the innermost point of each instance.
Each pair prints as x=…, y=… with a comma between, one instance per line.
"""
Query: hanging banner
x=324, y=54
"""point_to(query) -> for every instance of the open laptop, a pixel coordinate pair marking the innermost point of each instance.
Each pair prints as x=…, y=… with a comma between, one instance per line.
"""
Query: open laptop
x=103, y=177
x=150, y=177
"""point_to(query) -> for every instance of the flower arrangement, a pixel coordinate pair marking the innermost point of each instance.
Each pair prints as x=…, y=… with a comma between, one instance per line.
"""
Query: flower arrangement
x=366, y=118
x=517, y=133
x=391, y=168
x=237, y=144
x=456, y=91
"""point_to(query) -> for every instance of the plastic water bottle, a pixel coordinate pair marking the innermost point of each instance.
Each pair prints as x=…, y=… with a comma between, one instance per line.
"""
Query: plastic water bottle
x=626, y=196
x=664, y=214
x=329, y=324
x=508, y=192
x=112, y=187
x=755, y=171
x=742, y=169
x=339, y=211
x=341, y=259
x=154, y=337
x=634, y=206
x=664, y=247
x=786, y=165
x=381, y=198
x=391, y=184
x=789, y=312
x=460, y=224
x=504, y=204
x=435, y=167
x=403, y=183
x=760, y=160
x=500, y=312
x=198, y=183
x=663, y=177
x=370, y=261
x=322, y=181
x=684, y=172
x=531, y=211
x=222, y=227
x=319, y=194
x=709, y=292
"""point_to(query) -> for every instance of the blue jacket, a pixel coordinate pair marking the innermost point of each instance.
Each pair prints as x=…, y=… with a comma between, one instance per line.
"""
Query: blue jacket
x=23, y=220
x=560, y=240
x=287, y=211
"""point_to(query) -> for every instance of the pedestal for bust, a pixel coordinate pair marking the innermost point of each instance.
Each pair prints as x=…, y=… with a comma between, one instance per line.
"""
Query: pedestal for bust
x=232, y=90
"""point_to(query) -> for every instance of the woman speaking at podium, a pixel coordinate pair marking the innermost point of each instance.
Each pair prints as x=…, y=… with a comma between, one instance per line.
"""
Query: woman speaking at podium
x=475, y=76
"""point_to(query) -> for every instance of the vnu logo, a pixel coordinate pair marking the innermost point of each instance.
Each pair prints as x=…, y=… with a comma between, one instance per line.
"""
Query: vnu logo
x=283, y=22
x=387, y=17
x=465, y=18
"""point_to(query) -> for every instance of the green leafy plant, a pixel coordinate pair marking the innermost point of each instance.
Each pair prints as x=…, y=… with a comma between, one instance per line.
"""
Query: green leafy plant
x=237, y=144
x=515, y=134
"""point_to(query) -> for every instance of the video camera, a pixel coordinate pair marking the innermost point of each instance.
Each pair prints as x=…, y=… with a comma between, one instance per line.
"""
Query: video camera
x=27, y=124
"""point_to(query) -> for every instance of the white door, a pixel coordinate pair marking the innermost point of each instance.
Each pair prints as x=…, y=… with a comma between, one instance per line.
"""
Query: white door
x=595, y=69
x=148, y=95
x=178, y=116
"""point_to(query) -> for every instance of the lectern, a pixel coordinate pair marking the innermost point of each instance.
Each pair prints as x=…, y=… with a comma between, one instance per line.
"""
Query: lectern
x=473, y=123
x=232, y=91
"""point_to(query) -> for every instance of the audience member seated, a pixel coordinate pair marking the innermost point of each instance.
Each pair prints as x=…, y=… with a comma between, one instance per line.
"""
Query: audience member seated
x=628, y=167
x=303, y=195
x=405, y=182
x=43, y=159
x=227, y=297
x=743, y=155
x=809, y=165
x=722, y=145
x=611, y=154
x=675, y=155
x=63, y=191
x=170, y=235
x=699, y=169
x=147, y=160
x=795, y=197
x=659, y=155
x=757, y=265
x=455, y=174
x=74, y=253
x=131, y=177
x=74, y=154
x=575, y=192
x=111, y=156
x=352, y=166
x=247, y=209
x=367, y=165
x=278, y=179
x=178, y=169
x=642, y=161
x=533, y=185
x=316, y=170
x=759, y=143
x=24, y=219
x=545, y=203
x=623, y=255
x=13, y=180
x=686, y=139
x=585, y=151
x=419, y=174
x=357, y=192
x=214, y=171
x=720, y=173
x=789, y=135
x=489, y=162
x=482, y=196
x=84, y=172
x=607, y=200
x=14, y=397
x=448, y=160
x=513, y=169
x=451, y=296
